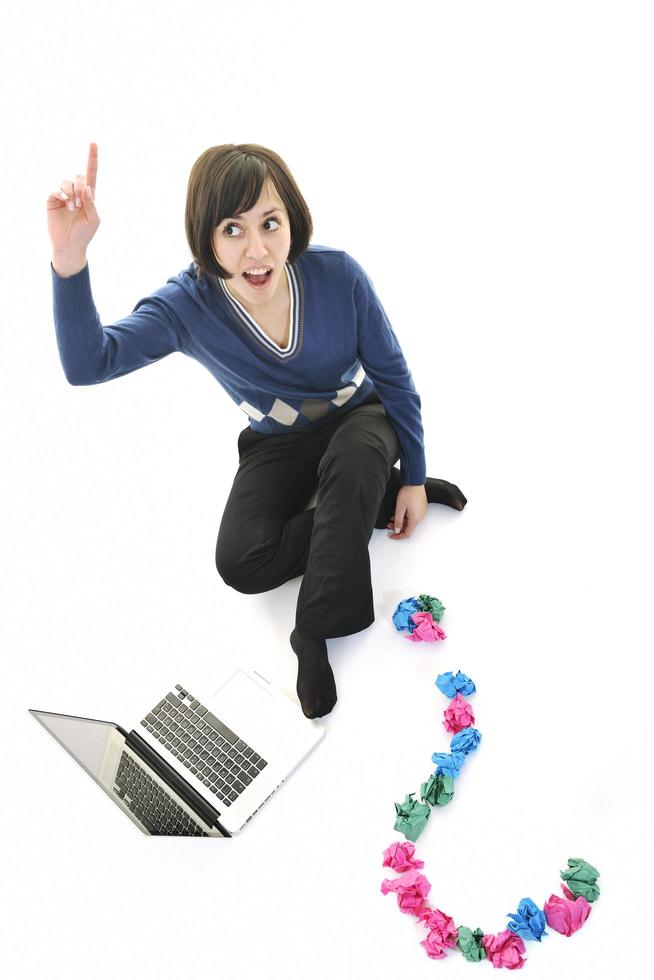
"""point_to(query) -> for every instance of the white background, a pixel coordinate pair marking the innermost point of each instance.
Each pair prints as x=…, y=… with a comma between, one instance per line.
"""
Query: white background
x=490, y=166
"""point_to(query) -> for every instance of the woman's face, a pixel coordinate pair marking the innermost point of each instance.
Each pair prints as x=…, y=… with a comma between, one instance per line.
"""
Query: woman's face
x=255, y=240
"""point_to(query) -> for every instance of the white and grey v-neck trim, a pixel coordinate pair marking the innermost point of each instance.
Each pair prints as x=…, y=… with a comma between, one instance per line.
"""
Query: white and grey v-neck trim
x=248, y=321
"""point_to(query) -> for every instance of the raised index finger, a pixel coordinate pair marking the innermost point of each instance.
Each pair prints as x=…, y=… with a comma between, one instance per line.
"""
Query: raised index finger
x=92, y=166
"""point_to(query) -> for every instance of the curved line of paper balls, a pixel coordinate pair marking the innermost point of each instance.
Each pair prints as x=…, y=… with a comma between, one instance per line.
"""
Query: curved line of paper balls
x=506, y=949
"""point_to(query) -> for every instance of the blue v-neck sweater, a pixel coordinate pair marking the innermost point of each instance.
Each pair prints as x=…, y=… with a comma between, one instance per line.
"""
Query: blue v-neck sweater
x=341, y=346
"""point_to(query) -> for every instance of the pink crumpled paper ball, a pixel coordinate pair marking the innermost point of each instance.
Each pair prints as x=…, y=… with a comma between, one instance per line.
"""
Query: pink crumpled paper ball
x=411, y=890
x=399, y=857
x=505, y=950
x=434, y=946
x=442, y=933
x=427, y=629
x=566, y=915
x=458, y=715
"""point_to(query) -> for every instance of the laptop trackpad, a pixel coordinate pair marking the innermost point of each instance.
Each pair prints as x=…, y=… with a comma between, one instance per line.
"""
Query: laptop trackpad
x=262, y=720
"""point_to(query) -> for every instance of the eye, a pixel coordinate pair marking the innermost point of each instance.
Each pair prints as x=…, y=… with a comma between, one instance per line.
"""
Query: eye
x=276, y=221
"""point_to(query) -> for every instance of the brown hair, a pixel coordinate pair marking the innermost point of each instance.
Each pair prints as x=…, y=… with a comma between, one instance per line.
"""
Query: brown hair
x=227, y=180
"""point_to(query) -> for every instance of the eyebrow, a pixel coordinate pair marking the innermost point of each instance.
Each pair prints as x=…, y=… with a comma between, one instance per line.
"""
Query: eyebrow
x=264, y=215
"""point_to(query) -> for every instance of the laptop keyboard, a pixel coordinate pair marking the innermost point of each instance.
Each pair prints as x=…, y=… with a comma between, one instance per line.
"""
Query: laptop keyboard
x=159, y=813
x=207, y=747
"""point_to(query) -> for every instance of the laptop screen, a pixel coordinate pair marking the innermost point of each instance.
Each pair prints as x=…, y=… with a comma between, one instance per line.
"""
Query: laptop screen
x=86, y=739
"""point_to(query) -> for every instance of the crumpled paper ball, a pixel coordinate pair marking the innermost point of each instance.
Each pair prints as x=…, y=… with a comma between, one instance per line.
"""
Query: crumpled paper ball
x=471, y=944
x=399, y=857
x=433, y=945
x=442, y=933
x=581, y=878
x=411, y=817
x=430, y=604
x=458, y=715
x=438, y=790
x=529, y=921
x=465, y=741
x=426, y=629
x=505, y=950
x=449, y=763
x=452, y=684
x=402, y=615
x=411, y=890
x=567, y=914
x=434, y=919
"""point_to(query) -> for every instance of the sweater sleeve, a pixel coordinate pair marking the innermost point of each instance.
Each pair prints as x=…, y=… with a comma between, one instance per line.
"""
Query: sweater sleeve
x=91, y=353
x=384, y=363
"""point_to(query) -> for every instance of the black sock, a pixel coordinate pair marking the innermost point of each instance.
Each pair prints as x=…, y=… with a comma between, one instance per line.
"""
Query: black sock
x=438, y=492
x=316, y=687
x=442, y=492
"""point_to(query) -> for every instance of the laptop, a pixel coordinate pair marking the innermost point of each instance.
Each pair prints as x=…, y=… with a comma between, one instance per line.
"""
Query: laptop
x=194, y=766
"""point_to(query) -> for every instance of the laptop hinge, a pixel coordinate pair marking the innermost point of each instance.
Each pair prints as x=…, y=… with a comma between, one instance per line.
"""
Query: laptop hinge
x=174, y=780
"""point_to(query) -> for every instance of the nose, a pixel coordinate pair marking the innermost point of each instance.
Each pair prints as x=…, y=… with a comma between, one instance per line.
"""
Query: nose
x=255, y=246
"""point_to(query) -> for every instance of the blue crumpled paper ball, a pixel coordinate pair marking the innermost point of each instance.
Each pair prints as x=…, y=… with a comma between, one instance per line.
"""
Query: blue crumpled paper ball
x=449, y=763
x=465, y=741
x=529, y=922
x=452, y=684
x=402, y=615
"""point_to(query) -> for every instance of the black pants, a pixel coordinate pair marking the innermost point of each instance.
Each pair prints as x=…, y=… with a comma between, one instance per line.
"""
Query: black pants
x=267, y=536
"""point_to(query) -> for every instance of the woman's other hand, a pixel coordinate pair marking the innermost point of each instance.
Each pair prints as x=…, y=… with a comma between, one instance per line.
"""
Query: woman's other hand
x=72, y=216
x=410, y=508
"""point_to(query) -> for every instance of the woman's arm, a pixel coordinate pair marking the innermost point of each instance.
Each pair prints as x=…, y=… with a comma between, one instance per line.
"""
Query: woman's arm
x=384, y=363
x=91, y=353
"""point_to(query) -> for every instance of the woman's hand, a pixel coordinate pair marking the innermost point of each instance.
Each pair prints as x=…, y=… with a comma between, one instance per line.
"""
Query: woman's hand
x=410, y=508
x=71, y=226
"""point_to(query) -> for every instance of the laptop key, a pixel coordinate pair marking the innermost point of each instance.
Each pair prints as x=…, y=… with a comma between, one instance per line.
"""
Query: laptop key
x=220, y=727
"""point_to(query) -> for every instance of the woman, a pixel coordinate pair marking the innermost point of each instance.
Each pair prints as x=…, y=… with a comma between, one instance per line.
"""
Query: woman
x=298, y=338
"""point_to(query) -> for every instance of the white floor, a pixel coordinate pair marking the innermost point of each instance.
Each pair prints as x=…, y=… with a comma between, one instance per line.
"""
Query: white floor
x=529, y=215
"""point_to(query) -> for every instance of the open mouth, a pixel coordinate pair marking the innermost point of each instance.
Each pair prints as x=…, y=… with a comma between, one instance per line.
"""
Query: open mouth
x=258, y=279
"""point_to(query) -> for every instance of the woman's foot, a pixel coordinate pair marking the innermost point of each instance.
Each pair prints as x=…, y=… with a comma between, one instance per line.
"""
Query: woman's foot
x=442, y=492
x=316, y=687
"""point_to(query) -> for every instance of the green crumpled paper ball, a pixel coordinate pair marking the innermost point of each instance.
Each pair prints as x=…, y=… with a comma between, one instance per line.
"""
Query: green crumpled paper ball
x=581, y=879
x=470, y=942
x=438, y=790
x=432, y=605
x=411, y=817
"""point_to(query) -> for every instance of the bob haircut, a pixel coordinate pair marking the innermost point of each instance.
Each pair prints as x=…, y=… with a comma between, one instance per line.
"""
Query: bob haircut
x=227, y=180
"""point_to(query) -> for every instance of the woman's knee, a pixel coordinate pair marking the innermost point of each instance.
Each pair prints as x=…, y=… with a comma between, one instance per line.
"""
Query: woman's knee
x=357, y=461
x=238, y=573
